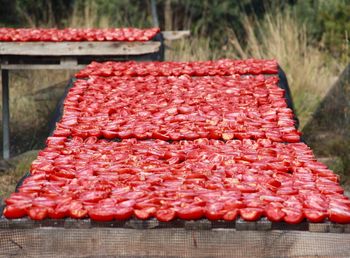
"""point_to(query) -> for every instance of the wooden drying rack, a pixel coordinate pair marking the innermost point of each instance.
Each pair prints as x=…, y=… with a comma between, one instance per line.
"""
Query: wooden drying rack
x=70, y=56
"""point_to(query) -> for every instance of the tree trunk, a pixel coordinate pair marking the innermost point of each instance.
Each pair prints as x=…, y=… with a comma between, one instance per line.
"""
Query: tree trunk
x=168, y=16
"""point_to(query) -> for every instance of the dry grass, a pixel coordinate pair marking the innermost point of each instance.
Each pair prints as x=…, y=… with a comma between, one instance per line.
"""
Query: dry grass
x=10, y=178
x=24, y=84
x=190, y=49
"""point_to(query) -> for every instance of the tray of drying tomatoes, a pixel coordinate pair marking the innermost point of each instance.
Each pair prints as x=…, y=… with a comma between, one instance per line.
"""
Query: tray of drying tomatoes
x=167, y=68
x=76, y=34
x=175, y=108
x=178, y=147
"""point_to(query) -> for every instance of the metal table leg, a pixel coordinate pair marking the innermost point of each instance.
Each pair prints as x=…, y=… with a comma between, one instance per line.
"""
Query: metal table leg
x=5, y=114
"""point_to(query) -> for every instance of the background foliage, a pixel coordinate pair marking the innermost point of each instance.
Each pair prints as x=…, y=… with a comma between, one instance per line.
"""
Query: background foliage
x=328, y=22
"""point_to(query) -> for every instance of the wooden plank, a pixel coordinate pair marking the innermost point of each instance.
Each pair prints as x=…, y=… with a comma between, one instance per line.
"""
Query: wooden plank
x=121, y=242
x=78, y=48
x=68, y=66
x=174, y=35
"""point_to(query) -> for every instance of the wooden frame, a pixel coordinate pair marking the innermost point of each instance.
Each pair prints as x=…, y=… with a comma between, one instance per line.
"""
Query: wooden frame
x=175, y=242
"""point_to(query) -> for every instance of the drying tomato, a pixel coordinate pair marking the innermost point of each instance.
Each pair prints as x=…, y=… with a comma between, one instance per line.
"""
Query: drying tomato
x=230, y=215
x=37, y=213
x=123, y=213
x=165, y=215
x=102, y=213
x=339, y=215
x=293, y=216
x=251, y=214
x=190, y=213
x=145, y=213
x=14, y=211
x=315, y=216
x=76, y=210
x=21, y=198
x=274, y=214
x=215, y=211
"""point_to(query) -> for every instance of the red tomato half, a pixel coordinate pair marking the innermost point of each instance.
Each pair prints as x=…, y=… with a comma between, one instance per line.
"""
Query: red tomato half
x=293, y=216
x=76, y=210
x=123, y=213
x=37, y=213
x=339, y=215
x=14, y=212
x=274, y=214
x=102, y=214
x=165, y=215
x=230, y=215
x=251, y=214
x=145, y=213
x=190, y=213
x=315, y=216
x=214, y=211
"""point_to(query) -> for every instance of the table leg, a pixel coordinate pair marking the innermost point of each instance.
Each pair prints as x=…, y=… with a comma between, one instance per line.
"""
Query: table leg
x=5, y=114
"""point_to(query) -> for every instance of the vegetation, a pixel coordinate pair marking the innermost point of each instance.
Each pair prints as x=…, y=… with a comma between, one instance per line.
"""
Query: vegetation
x=309, y=38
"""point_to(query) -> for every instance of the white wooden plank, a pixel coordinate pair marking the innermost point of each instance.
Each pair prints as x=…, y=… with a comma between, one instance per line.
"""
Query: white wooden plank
x=78, y=48
x=42, y=66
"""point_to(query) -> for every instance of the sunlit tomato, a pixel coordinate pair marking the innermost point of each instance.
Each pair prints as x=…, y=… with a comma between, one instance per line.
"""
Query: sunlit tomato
x=293, y=216
x=145, y=213
x=339, y=215
x=21, y=198
x=274, y=214
x=230, y=215
x=190, y=213
x=92, y=196
x=214, y=211
x=76, y=210
x=37, y=213
x=102, y=213
x=251, y=214
x=14, y=211
x=165, y=215
x=315, y=216
x=123, y=213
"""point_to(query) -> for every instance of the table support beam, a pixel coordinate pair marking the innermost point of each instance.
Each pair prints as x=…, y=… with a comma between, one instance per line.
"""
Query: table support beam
x=5, y=114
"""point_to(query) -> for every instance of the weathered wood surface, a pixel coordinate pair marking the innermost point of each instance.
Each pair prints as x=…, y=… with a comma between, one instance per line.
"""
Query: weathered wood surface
x=78, y=48
x=121, y=242
x=174, y=35
x=42, y=66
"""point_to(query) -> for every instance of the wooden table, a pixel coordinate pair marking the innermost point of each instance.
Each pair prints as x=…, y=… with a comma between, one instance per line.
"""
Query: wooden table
x=65, y=55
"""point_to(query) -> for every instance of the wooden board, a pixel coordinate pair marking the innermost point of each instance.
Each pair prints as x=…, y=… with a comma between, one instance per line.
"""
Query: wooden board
x=42, y=66
x=78, y=48
x=121, y=242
